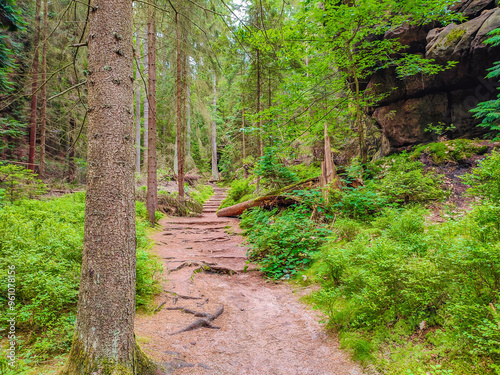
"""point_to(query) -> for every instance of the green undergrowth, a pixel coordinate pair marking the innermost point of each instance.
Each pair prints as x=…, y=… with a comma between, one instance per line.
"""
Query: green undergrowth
x=239, y=191
x=406, y=295
x=43, y=239
x=201, y=193
x=169, y=202
x=273, y=175
x=450, y=151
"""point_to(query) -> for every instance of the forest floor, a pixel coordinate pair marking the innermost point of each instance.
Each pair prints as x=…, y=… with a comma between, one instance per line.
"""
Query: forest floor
x=263, y=328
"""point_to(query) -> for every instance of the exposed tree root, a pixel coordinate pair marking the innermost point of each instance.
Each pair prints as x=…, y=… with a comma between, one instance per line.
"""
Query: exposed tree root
x=214, y=269
x=205, y=320
x=180, y=296
x=190, y=264
x=159, y=307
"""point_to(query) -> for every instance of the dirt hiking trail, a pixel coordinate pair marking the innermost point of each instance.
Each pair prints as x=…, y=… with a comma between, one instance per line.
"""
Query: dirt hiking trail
x=263, y=328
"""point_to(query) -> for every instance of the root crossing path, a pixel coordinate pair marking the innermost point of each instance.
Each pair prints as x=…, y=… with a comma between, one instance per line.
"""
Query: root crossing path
x=218, y=315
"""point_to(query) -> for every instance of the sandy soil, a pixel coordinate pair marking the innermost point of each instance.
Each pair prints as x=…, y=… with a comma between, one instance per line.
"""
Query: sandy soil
x=264, y=329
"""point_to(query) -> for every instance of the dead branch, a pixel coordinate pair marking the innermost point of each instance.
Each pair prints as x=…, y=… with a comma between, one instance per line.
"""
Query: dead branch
x=214, y=269
x=180, y=295
x=205, y=321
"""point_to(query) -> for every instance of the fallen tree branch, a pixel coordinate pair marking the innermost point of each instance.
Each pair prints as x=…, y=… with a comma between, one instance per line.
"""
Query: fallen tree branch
x=266, y=201
x=214, y=269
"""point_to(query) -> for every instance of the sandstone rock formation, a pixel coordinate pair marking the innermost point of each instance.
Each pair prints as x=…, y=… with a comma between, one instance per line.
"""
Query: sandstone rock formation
x=413, y=103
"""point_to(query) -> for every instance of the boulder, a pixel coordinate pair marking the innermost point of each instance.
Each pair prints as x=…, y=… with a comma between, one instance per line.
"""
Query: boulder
x=408, y=105
x=403, y=123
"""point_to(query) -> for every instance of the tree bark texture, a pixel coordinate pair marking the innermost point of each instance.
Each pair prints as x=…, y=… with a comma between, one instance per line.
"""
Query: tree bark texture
x=180, y=176
x=145, y=64
x=138, y=104
x=267, y=201
x=243, y=126
x=152, y=193
x=329, y=174
x=188, y=119
x=71, y=150
x=261, y=148
x=215, y=169
x=104, y=341
x=43, y=104
x=181, y=151
x=34, y=86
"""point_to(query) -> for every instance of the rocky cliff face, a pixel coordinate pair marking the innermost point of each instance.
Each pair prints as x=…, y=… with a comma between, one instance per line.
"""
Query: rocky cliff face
x=448, y=96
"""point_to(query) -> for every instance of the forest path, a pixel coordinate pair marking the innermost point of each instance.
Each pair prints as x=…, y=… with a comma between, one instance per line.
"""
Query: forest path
x=264, y=329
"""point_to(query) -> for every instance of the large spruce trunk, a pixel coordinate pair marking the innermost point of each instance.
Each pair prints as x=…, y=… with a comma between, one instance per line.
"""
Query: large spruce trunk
x=152, y=193
x=104, y=341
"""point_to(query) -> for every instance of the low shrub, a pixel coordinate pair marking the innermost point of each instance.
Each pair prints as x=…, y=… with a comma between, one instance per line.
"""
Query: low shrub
x=404, y=181
x=399, y=271
x=272, y=170
x=19, y=183
x=449, y=151
x=283, y=242
x=238, y=192
x=201, y=193
x=485, y=180
x=44, y=241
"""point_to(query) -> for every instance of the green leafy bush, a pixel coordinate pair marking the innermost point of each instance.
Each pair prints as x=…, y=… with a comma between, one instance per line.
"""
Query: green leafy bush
x=303, y=172
x=489, y=110
x=274, y=173
x=19, y=183
x=362, y=202
x=399, y=271
x=282, y=242
x=485, y=180
x=44, y=241
x=404, y=181
x=9, y=127
x=238, y=192
x=455, y=150
x=201, y=193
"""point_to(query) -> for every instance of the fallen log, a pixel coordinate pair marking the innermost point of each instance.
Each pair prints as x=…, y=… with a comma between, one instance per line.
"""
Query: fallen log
x=267, y=201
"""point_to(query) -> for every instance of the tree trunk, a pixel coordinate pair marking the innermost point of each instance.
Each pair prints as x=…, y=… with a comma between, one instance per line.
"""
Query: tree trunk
x=243, y=125
x=145, y=64
x=71, y=151
x=36, y=40
x=43, y=106
x=215, y=169
x=261, y=148
x=180, y=176
x=138, y=105
x=152, y=193
x=176, y=157
x=181, y=151
x=104, y=341
x=329, y=174
x=188, y=120
x=267, y=201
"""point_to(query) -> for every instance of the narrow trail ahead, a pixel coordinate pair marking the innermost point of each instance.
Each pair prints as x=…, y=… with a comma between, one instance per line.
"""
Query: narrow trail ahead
x=264, y=329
